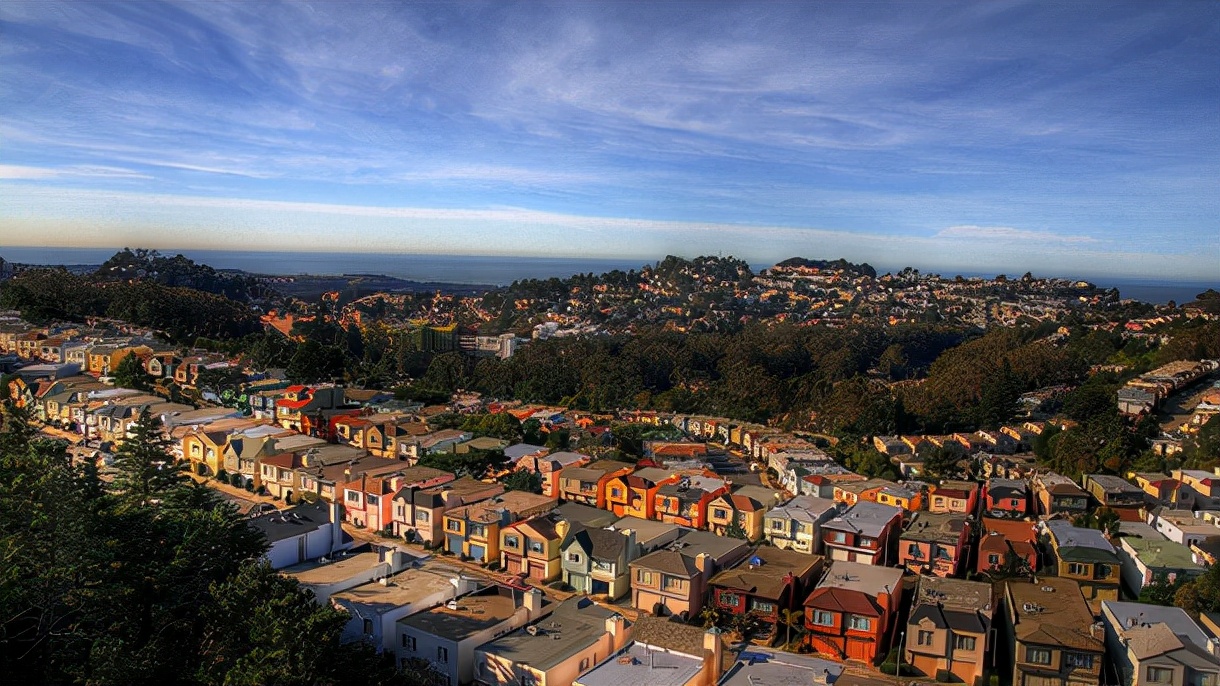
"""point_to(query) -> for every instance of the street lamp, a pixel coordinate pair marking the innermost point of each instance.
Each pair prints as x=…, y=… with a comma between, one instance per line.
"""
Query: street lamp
x=902, y=643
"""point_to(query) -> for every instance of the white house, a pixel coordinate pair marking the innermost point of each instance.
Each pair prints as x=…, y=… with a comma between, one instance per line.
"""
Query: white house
x=304, y=532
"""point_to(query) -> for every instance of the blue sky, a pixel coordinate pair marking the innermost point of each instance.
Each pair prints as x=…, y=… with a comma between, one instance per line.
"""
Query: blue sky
x=1063, y=138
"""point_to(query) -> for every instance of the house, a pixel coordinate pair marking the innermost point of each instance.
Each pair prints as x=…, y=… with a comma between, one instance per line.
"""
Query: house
x=1182, y=526
x=961, y=497
x=634, y=494
x=418, y=513
x=852, y=492
x=759, y=666
x=851, y=610
x=907, y=496
x=587, y=484
x=741, y=512
x=1002, y=537
x=662, y=653
x=949, y=628
x=413, y=448
x=769, y=581
x=597, y=560
x=1086, y=557
x=375, y=607
x=685, y=502
x=301, y=533
x=245, y=450
x=1117, y=494
x=673, y=580
x=293, y=408
x=327, y=576
x=368, y=500
x=797, y=524
x=447, y=635
x=533, y=547
x=1006, y=498
x=1152, y=644
x=1153, y=558
x=473, y=531
x=575, y=637
x=934, y=543
x=548, y=466
x=514, y=453
x=1159, y=487
x=1055, y=494
x=865, y=533
x=1050, y=633
x=1199, y=490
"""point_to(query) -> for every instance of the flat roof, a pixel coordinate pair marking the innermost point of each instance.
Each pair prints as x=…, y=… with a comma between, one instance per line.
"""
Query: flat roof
x=646, y=530
x=1052, y=612
x=642, y=665
x=573, y=626
x=315, y=573
x=757, y=666
x=404, y=588
x=857, y=576
x=474, y=613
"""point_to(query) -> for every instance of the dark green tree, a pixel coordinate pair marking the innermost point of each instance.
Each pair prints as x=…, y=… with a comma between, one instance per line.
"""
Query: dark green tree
x=522, y=480
x=130, y=373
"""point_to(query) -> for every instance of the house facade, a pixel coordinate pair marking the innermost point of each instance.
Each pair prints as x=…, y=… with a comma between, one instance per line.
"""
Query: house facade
x=949, y=628
x=1051, y=634
x=769, y=581
x=867, y=532
x=797, y=524
x=849, y=614
x=673, y=580
x=1086, y=557
x=1006, y=498
x=742, y=511
x=934, y=543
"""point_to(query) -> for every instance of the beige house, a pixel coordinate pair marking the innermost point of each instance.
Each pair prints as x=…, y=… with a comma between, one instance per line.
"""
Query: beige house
x=1053, y=638
x=554, y=651
x=949, y=626
x=1151, y=644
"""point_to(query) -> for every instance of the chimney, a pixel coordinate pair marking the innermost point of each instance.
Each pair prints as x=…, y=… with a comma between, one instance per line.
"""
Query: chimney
x=533, y=602
x=713, y=656
x=703, y=562
x=336, y=525
x=1097, y=630
x=616, y=626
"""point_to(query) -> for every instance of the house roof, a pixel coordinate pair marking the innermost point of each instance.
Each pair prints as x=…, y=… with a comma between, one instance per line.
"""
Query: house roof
x=577, y=513
x=1113, y=484
x=1154, y=629
x=845, y=600
x=1052, y=612
x=601, y=544
x=944, y=528
x=405, y=588
x=640, y=665
x=764, y=571
x=295, y=521
x=1007, y=488
x=646, y=530
x=1074, y=543
x=805, y=508
x=859, y=576
x=865, y=518
x=954, y=603
x=475, y=612
x=520, y=450
x=574, y=625
x=1159, y=552
x=757, y=666
x=663, y=633
x=593, y=471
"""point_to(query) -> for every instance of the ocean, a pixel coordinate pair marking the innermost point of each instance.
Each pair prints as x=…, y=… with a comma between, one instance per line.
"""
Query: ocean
x=478, y=269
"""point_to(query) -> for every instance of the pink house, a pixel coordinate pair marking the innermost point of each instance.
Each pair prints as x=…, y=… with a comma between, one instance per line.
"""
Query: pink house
x=368, y=501
x=934, y=543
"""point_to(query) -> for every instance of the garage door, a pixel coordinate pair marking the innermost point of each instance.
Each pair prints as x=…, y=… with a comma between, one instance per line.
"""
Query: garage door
x=839, y=554
x=478, y=552
x=513, y=566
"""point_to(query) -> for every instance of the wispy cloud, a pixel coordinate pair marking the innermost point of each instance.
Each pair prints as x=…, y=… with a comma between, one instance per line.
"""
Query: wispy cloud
x=18, y=172
x=1009, y=234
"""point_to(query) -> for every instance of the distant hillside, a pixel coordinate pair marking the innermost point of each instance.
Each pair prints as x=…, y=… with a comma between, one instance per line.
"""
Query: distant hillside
x=862, y=269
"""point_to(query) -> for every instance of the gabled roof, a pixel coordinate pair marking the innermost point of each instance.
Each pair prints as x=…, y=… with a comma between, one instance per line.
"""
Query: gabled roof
x=844, y=600
x=764, y=571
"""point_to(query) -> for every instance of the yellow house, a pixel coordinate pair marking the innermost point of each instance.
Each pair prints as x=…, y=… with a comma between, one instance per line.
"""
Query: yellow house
x=474, y=530
x=532, y=547
x=98, y=361
x=909, y=499
x=741, y=512
x=117, y=355
x=1086, y=557
x=205, y=450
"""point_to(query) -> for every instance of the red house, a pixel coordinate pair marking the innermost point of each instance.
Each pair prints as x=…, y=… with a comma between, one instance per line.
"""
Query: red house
x=850, y=612
x=685, y=502
x=1006, y=498
x=1003, y=535
x=769, y=581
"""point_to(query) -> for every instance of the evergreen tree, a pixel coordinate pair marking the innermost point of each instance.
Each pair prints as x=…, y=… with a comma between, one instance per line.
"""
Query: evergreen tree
x=130, y=373
x=146, y=471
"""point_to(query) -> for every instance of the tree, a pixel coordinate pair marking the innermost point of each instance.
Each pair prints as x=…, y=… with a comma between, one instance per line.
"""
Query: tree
x=130, y=373
x=522, y=480
x=792, y=619
x=1161, y=591
x=558, y=439
x=146, y=472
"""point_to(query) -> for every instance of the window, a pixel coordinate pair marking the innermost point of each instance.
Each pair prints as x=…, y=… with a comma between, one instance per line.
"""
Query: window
x=421, y=516
x=528, y=679
x=867, y=542
x=442, y=655
x=839, y=537
x=368, y=627
x=643, y=577
x=535, y=546
x=777, y=524
x=352, y=496
x=512, y=541
x=762, y=607
x=400, y=512
x=913, y=550
x=993, y=559
x=729, y=598
x=1159, y=675
x=573, y=557
x=408, y=642
x=822, y=618
x=963, y=642
x=1038, y=656
x=603, y=566
x=1103, y=571
x=859, y=623
x=1078, y=569
x=1078, y=660
x=454, y=525
x=372, y=501
x=720, y=513
x=924, y=638
x=584, y=664
x=478, y=530
x=616, y=493
x=674, y=584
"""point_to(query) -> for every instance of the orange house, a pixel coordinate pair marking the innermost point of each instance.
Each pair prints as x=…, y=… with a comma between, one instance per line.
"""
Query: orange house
x=587, y=484
x=685, y=502
x=634, y=495
x=850, y=612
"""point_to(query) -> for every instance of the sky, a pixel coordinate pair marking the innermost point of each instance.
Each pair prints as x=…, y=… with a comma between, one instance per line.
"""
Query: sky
x=1077, y=138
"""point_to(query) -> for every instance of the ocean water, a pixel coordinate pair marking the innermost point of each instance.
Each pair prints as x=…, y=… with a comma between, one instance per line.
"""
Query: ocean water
x=479, y=269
